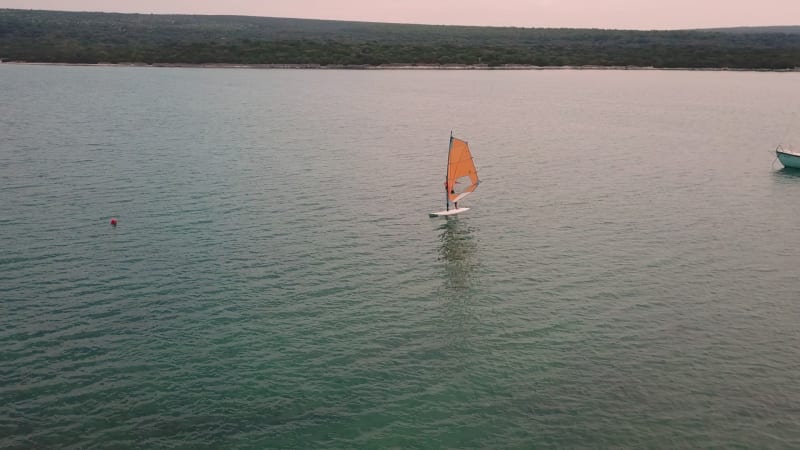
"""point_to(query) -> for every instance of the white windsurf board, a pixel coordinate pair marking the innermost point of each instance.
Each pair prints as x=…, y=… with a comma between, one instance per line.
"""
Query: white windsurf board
x=448, y=213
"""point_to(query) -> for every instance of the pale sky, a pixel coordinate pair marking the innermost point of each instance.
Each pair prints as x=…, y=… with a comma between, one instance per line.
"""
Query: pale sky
x=620, y=14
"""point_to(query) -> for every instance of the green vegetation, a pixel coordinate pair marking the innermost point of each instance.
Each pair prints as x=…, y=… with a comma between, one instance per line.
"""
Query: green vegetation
x=69, y=37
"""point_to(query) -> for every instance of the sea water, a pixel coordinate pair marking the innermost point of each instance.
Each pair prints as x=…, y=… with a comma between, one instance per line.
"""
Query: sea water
x=626, y=276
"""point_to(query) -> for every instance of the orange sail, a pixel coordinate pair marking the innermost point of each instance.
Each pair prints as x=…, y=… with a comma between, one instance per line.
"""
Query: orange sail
x=462, y=176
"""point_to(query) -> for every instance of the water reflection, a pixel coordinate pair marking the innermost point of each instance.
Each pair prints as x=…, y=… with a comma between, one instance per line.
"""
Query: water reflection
x=457, y=250
x=787, y=177
x=459, y=293
x=788, y=173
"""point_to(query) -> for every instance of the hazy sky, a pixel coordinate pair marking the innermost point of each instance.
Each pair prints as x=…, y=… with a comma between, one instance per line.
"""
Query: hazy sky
x=631, y=14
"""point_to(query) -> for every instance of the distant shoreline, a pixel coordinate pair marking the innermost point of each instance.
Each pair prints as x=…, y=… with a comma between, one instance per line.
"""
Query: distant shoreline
x=170, y=40
x=394, y=67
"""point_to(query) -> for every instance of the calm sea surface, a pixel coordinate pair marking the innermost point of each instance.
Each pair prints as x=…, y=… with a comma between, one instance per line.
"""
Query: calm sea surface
x=627, y=276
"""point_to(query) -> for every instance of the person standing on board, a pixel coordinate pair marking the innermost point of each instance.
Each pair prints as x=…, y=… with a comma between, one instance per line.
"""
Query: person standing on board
x=452, y=191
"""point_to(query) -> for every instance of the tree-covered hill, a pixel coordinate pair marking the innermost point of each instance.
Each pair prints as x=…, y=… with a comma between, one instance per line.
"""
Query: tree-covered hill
x=758, y=30
x=80, y=37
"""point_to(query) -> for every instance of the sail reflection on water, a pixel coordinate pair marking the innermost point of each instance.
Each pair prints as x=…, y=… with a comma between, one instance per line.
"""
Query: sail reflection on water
x=457, y=249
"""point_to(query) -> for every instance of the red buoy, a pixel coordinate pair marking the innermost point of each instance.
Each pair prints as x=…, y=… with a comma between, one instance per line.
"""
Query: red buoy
x=113, y=221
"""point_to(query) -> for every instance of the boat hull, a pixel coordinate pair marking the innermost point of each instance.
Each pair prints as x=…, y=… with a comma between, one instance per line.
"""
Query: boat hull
x=789, y=160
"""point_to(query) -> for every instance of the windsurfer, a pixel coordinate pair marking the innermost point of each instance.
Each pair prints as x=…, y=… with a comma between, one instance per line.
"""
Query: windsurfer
x=453, y=191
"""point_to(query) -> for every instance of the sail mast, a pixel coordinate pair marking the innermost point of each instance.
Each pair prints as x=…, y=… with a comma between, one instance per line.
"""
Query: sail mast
x=447, y=175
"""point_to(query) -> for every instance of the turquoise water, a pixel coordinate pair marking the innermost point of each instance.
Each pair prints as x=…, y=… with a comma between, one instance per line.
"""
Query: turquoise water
x=626, y=276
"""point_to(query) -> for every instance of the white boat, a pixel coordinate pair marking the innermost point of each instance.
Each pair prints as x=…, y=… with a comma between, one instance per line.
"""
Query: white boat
x=461, y=178
x=789, y=158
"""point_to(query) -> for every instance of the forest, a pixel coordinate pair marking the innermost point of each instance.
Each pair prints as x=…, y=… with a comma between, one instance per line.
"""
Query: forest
x=92, y=38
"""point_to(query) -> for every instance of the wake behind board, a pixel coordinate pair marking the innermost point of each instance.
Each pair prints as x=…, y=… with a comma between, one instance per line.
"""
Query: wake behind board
x=448, y=213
